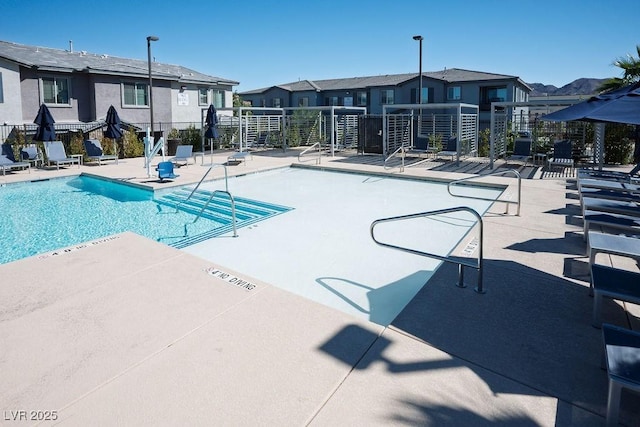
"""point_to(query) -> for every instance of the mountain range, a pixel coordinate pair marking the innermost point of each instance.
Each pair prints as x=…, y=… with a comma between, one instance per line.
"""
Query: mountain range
x=581, y=86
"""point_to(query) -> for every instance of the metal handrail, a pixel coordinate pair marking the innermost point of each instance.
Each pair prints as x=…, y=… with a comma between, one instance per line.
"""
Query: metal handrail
x=400, y=149
x=507, y=202
x=461, y=263
x=233, y=209
x=214, y=165
x=317, y=144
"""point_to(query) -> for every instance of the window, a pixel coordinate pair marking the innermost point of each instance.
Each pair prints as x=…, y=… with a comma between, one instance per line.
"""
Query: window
x=348, y=101
x=303, y=101
x=453, y=93
x=493, y=94
x=276, y=102
x=218, y=98
x=135, y=94
x=427, y=95
x=361, y=98
x=55, y=90
x=386, y=96
x=332, y=100
x=203, y=96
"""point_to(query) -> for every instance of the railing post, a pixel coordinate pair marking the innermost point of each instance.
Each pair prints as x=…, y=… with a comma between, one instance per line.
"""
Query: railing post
x=461, y=283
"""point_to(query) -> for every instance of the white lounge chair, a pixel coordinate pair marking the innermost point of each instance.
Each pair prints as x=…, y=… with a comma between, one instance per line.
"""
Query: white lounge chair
x=6, y=163
x=183, y=154
x=95, y=152
x=56, y=154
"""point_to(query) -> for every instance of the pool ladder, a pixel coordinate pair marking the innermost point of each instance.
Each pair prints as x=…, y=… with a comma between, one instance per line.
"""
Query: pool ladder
x=462, y=262
x=225, y=191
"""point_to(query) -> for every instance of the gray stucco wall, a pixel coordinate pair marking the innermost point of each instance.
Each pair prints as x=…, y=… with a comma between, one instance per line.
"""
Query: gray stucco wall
x=11, y=105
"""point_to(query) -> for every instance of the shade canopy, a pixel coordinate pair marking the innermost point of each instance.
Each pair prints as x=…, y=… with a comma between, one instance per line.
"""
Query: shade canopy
x=113, y=124
x=46, y=130
x=618, y=106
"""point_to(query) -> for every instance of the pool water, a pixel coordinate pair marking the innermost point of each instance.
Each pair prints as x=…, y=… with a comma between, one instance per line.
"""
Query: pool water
x=38, y=217
x=322, y=250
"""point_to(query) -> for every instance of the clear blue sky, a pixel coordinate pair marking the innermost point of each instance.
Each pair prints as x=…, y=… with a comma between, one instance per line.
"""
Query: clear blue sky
x=260, y=43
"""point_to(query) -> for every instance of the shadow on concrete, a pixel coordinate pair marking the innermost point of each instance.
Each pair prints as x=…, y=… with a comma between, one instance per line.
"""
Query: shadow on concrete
x=530, y=326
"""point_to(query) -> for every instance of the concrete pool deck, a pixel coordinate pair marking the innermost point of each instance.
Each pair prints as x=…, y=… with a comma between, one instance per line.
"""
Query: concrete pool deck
x=128, y=331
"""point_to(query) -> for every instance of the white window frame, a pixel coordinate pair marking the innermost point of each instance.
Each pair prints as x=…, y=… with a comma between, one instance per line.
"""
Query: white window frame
x=203, y=91
x=56, y=79
x=218, y=99
x=136, y=86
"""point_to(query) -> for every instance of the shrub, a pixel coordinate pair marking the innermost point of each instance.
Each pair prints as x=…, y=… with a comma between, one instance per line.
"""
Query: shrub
x=132, y=146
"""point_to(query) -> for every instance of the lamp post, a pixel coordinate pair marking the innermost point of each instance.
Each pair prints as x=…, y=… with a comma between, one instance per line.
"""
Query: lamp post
x=149, y=40
x=420, y=38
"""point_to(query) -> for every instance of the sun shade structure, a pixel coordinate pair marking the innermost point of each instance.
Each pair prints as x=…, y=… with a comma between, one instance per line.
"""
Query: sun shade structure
x=46, y=130
x=618, y=106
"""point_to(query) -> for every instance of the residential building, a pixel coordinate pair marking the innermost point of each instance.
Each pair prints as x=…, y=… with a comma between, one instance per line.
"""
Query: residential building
x=447, y=86
x=79, y=87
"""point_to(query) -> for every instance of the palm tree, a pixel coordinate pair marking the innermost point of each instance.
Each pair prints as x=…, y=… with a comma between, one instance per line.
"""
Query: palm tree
x=631, y=74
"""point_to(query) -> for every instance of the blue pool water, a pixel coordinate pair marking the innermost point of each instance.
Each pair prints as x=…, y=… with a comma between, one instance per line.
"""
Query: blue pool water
x=38, y=217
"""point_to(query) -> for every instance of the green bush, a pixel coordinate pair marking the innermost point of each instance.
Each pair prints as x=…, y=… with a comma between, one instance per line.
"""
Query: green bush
x=132, y=146
x=483, y=142
x=618, y=146
x=191, y=136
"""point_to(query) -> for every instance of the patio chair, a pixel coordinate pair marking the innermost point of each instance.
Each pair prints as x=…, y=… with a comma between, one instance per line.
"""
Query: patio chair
x=165, y=171
x=622, y=356
x=451, y=149
x=32, y=154
x=8, y=160
x=95, y=152
x=613, y=283
x=56, y=154
x=562, y=155
x=183, y=154
x=521, y=150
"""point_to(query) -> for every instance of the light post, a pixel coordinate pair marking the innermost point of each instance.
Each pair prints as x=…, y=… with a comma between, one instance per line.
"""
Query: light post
x=149, y=40
x=420, y=38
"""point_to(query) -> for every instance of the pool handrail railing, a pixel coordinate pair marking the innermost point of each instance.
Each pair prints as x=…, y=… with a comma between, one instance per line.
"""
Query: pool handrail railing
x=460, y=261
x=507, y=202
x=402, y=150
x=319, y=156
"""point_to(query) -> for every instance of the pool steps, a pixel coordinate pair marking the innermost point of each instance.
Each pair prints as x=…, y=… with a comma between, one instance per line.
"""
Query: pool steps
x=248, y=211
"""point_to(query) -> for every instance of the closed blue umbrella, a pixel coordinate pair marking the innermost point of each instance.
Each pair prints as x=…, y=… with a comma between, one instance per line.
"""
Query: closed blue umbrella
x=212, y=122
x=46, y=130
x=113, y=124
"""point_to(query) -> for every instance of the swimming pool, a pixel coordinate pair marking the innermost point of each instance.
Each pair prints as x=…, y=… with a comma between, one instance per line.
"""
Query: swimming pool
x=43, y=216
x=322, y=249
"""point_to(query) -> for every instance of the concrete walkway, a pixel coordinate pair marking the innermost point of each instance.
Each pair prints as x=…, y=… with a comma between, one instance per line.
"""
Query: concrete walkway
x=127, y=331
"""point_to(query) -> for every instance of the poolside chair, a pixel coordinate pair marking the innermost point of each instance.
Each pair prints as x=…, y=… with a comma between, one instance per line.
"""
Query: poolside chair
x=521, y=150
x=183, y=154
x=562, y=155
x=622, y=357
x=32, y=154
x=95, y=152
x=8, y=160
x=451, y=149
x=165, y=171
x=56, y=154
